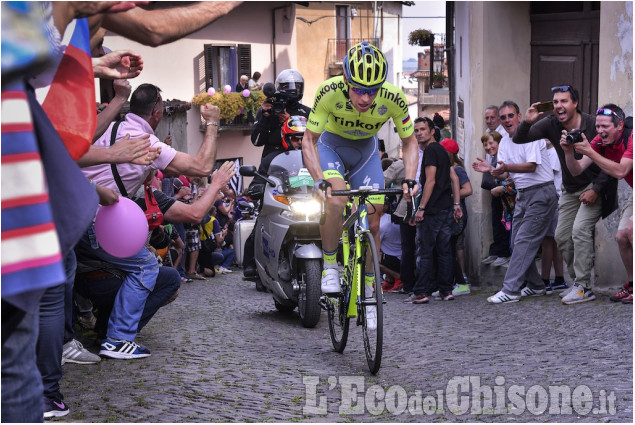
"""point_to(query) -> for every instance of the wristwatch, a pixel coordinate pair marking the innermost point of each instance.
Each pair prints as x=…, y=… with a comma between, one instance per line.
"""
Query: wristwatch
x=212, y=123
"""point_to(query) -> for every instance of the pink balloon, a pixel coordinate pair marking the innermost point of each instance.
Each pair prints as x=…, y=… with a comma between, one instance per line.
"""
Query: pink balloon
x=246, y=93
x=121, y=228
x=228, y=89
x=211, y=91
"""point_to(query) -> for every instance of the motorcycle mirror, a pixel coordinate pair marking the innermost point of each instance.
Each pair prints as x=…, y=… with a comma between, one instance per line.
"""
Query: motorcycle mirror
x=247, y=170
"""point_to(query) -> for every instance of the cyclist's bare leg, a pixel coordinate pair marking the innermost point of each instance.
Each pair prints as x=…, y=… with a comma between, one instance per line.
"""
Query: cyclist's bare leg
x=331, y=230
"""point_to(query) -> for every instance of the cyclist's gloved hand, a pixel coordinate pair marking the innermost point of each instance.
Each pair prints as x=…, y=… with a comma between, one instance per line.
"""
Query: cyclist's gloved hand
x=320, y=187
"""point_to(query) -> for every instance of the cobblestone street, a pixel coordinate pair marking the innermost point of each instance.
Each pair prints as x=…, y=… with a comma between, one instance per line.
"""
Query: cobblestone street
x=222, y=352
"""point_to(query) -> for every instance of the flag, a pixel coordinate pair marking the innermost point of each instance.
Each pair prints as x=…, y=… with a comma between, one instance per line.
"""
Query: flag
x=70, y=101
x=236, y=182
x=31, y=254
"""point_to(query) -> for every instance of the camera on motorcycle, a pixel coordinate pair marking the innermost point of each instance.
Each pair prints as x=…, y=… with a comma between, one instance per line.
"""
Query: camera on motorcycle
x=574, y=136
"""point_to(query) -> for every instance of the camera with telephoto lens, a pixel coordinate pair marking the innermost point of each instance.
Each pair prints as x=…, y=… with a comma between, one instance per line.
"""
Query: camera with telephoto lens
x=574, y=136
x=169, y=109
x=278, y=99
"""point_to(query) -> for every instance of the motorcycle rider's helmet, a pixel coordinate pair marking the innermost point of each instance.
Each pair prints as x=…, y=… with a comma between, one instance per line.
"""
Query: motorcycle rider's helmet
x=290, y=84
x=365, y=66
x=293, y=127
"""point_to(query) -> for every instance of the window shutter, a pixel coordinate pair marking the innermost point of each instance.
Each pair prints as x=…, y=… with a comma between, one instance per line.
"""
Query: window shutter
x=244, y=59
x=209, y=66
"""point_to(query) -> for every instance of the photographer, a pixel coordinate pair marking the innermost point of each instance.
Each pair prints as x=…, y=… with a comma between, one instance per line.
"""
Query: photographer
x=585, y=197
x=283, y=101
x=612, y=151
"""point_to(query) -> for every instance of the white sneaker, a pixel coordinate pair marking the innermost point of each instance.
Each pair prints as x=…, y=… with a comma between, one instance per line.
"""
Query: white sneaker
x=501, y=262
x=435, y=294
x=502, y=298
x=528, y=292
x=74, y=352
x=225, y=270
x=371, y=317
x=578, y=294
x=330, y=281
x=489, y=260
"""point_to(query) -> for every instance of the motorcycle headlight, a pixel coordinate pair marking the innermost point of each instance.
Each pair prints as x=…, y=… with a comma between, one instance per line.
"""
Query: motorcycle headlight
x=307, y=208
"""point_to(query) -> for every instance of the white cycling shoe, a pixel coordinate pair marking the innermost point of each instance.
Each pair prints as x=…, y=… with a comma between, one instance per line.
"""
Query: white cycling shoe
x=330, y=281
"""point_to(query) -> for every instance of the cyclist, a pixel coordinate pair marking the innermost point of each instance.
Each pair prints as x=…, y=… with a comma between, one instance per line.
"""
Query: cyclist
x=341, y=139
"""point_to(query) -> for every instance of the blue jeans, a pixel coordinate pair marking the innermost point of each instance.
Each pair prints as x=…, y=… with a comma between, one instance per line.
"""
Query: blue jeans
x=141, y=272
x=434, y=233
x=408, y=260
x=21, y=381
x=53, y=329
x=102, y=291
x=228, y=257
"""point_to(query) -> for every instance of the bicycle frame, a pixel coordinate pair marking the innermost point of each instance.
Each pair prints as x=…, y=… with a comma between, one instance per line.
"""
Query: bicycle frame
x=359, y=221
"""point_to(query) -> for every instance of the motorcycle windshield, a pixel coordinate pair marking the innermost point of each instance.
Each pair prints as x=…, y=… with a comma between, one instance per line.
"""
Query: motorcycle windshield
x=290, y=169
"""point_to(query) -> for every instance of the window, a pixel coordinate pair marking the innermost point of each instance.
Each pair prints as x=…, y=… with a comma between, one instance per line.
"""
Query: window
x=224, y=65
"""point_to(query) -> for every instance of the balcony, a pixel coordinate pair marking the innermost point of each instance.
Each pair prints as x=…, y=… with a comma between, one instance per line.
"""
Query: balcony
x=336, y=50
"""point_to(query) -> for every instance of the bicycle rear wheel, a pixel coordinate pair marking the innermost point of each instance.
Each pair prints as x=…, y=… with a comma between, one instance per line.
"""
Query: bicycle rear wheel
x=372, y=299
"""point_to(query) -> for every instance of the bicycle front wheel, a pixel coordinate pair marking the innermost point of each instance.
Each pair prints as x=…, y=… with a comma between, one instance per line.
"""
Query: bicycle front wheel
x=371, y=310
x=337, y=308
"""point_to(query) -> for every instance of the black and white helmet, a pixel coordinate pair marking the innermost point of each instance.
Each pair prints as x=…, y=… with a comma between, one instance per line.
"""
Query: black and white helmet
x=291, y=84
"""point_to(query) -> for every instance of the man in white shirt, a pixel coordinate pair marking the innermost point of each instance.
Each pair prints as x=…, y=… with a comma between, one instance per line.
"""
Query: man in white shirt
x=536, y=202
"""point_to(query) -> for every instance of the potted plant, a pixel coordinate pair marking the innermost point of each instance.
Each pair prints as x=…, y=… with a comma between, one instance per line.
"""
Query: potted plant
x=232, y=105
x=437, y=80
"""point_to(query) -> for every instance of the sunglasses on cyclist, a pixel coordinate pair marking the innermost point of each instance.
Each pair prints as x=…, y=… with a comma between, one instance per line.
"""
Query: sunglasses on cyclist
x=607, y=111
x=361, y=92
x=508, y=116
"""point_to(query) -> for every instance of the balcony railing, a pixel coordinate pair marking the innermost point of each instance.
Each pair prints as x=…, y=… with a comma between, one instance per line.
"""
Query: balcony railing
x=337, y=48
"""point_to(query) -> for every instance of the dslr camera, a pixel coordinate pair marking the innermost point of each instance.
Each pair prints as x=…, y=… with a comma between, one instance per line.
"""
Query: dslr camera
x=574, y=136
x=278, y=99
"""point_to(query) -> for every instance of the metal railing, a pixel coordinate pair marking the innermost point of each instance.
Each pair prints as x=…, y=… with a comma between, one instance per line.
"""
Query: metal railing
x=337, y=48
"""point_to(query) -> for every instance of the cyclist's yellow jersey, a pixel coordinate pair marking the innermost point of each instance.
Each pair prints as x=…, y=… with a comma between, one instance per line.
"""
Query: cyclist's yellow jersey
x=332, y=111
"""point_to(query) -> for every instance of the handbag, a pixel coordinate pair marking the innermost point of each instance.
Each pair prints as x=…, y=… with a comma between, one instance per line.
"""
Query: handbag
x=153, y=212
x=209, y=244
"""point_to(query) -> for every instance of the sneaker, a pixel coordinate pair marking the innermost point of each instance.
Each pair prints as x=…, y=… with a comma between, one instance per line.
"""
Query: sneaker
x=567, y=291
x=489, y=260
x=87, y=320
x=119, y=349
x=420, y=299
x=578, y=295
x=371, y=317
x=330, y=281
x=461, y=290
x=446, y=297
x=628, y=300
x=387, y=286
x=528, y=292
x=74, y=352
x=397, y=287
x=623, y=293
x=54, y=408
x=549, y=288
x=225, y=270
x=412, y=298
x=435, y=294
x=559, y=286
x=502, y=298
x=501, y=262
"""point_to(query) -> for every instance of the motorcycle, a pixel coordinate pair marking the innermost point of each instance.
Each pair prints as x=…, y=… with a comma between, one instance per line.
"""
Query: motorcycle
x=288, y=247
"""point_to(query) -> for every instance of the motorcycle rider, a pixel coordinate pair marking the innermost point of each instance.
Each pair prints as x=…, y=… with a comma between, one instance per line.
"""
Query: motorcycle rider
x=289, y=86
x=291, y=134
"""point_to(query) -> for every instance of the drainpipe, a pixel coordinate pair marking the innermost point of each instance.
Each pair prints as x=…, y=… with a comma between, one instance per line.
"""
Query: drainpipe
x=273, y=37
x=450, y=49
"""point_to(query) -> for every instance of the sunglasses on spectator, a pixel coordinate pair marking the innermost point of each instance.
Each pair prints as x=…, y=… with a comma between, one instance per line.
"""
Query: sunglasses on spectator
x=607, y=111
x=561, y=88
x=361, y=92
x=508, y=116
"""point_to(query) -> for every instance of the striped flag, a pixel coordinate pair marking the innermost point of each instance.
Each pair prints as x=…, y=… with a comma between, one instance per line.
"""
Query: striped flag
x=70, y=101
x=236, y=182
x=31, y=255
